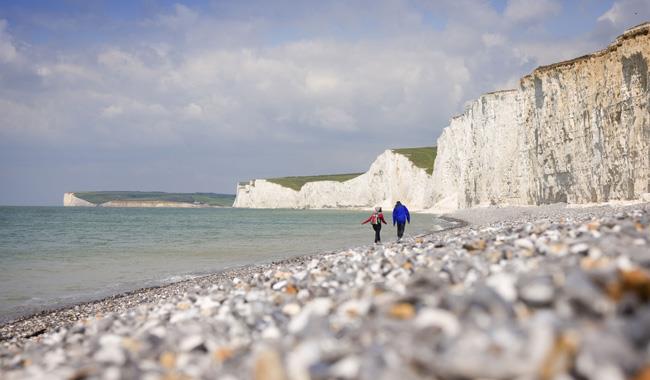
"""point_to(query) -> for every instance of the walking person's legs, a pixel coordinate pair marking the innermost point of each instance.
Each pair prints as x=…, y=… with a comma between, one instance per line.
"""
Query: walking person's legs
x=400, y=230
x=377, y=228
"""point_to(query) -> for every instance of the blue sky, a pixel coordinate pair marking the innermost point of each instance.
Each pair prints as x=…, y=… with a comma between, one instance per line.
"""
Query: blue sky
x=196, y=96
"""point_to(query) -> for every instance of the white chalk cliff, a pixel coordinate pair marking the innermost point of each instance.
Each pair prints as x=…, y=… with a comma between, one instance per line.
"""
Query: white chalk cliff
x=577, y=132
x=391, y=177
x=70, y=200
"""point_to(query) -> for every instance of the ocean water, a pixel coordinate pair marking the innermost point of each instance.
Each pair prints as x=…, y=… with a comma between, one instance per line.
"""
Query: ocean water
x=55, y=256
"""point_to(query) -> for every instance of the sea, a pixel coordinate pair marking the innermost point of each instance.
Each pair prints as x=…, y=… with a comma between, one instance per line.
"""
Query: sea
x=52, y=257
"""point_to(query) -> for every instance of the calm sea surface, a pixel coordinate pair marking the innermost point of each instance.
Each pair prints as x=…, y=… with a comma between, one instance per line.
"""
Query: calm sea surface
x=56, y=256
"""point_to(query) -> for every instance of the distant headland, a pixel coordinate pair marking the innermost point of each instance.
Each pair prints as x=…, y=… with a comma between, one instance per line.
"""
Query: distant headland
x=146, y=199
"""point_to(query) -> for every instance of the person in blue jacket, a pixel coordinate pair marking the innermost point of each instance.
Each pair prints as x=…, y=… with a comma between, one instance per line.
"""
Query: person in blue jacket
x=400, y=216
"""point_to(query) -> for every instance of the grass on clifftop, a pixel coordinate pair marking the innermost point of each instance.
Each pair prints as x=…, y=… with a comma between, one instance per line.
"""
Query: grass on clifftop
x=423, y=157
x=296, y=183
x=209, y=199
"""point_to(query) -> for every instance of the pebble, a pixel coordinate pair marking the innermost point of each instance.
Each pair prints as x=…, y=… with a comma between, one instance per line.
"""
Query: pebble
x=530, y=296
x=268, y=366
x=525, y=244
x=402, y=311
x=191, y=342
x=291, y=309
x=538, y=291
x=579, y=249
x=110, y=355
x=440, y=319
x=504, y=285
x=279, y=285
x=346, y=368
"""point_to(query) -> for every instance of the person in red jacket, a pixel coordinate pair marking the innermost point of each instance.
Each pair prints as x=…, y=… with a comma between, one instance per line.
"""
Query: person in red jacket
x=376, y=219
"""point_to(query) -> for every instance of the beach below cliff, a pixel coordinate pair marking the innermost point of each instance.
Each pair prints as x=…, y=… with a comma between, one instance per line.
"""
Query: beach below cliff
x=525, y=292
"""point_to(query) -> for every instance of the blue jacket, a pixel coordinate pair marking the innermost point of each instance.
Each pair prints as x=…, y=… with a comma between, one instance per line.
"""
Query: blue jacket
x=401, y=214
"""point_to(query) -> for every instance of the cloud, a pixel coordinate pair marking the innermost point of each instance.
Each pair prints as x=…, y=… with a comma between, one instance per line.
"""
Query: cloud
x=522, y=11
x=321, y=82
x=298, y=90
x=245, y=83
x=112, y=111
x=182, y=17
x=493, y=39
x=626, y=13
x=306, y=87
x=193, y=111
x=254, y=92
x=8, y=52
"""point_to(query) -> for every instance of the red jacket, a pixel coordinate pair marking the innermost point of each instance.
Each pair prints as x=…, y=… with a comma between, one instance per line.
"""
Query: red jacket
x=380, y=216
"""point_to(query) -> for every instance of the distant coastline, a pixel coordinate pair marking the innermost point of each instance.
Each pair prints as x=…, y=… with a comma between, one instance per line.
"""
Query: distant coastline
x=146, y=199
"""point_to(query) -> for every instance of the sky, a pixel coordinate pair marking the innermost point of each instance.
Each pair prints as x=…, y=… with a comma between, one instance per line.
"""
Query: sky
x=196, y=96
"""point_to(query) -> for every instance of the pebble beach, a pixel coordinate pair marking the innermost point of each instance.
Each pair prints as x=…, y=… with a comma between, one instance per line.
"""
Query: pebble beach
x=545, y=292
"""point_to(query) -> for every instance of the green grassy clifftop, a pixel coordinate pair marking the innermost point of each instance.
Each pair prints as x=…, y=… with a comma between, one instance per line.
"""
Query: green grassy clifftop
x=422, y=157
x=297, y=182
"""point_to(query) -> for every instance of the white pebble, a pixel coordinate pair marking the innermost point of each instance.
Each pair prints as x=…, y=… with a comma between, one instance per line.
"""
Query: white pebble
x=291, y=309
x=110, y=354
x=191, y=342
x=439, y=318
x=347, y=368
x=279, y=285
x=579, y=248
x=525, y=244
x=504, y=285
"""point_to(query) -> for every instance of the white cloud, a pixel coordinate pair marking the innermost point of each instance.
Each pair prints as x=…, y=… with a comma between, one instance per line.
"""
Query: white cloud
x=193, y=110
x=112, y=111
x=613, y=15
x=299, y=88
x=8, y=52
x=197, y=77
x=333, y=118
x=121, y=62
x=626, y=13
x=493, y=39
x=522, y=11
x=273, y=78
x=321, y=82
x=182, y=17
x=65, y=73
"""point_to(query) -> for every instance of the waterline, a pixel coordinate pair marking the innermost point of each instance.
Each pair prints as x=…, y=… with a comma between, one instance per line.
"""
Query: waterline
x=55, y=256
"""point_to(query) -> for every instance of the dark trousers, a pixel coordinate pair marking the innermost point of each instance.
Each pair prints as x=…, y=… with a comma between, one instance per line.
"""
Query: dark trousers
x=377, y=228
x=400, y=230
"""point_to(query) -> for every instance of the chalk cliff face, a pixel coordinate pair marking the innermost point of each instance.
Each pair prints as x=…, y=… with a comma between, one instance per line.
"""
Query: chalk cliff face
x=576, y=132
x=391, y=177
x=479, y=160
x=70, y=200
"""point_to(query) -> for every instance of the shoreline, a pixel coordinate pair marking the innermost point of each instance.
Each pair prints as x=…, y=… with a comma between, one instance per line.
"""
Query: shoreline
x=39, y=322
x=511, y=293
x=51, y=318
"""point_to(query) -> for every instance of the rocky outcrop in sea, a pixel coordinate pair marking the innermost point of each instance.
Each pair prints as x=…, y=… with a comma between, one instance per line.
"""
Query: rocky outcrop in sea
x=545, y=293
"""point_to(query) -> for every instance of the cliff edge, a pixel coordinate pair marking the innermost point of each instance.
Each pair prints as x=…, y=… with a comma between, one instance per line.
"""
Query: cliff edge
x=391, y=177
x=577, y=131
x=71, y=200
